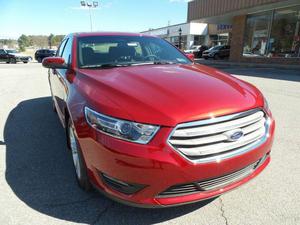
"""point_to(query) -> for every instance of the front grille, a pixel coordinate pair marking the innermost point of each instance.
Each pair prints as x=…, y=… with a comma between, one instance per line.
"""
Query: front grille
x=211, y=184
x=209, y=140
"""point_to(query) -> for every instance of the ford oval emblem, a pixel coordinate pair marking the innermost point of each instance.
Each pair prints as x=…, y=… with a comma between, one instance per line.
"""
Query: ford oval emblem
x=234, y=135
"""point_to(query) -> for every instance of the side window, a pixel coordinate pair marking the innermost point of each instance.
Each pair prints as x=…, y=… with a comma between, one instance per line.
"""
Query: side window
x=2, y=52
x=66, y=54
x=61, y=48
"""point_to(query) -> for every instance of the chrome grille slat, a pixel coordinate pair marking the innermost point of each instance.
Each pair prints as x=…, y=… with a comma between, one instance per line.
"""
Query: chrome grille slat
x=214, y=183
x=219, y=127
x=217, y=137
x=221, y=147
x=219, y=181
x=207, y=140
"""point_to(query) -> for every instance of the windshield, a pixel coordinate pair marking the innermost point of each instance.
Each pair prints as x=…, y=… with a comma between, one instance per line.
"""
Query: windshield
x=97, y=51
x=216, y=47
x=11, y=51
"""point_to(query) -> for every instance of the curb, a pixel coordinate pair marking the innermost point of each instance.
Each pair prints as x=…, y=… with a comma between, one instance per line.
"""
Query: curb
x=246, y=65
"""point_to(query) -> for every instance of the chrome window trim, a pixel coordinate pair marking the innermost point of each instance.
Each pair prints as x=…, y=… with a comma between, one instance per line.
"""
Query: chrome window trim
x=227, y=155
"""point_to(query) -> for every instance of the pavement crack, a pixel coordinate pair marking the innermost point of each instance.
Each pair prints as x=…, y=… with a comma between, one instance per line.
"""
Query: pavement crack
x=223, y=211
x=100, y=214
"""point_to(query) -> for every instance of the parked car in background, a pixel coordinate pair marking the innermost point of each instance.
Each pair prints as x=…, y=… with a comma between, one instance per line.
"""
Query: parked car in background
x=147, y=126
x=13, y=56
x=43, y=53
x=217, y=52
x=197, y=50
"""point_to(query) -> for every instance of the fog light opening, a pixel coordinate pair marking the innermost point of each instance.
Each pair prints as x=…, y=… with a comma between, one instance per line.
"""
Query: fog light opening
x=121, y=186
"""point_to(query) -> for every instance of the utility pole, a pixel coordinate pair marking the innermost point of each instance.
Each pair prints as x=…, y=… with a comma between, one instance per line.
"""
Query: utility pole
x=180, y=38
x=90, y=5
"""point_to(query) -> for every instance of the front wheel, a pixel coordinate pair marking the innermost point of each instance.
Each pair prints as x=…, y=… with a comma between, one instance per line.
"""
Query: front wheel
x=216, y=57
x=78, y=161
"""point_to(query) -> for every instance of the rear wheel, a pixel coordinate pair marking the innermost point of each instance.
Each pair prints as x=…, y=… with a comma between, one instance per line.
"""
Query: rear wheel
x=39, y=59
x=12, y=61
x=25, y=61
x=78, y=162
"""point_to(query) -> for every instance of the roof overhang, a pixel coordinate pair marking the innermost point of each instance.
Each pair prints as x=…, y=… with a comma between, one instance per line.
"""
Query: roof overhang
x=227, y=18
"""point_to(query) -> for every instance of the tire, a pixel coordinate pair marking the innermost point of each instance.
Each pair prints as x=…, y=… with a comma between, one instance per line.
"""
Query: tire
x=39, y=59
x=12, y=61
x=25, y=62
x=206, y=58
x=77, y=158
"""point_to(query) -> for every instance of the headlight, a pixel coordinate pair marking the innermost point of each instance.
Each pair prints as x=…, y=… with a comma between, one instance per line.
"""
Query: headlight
x=122, y=129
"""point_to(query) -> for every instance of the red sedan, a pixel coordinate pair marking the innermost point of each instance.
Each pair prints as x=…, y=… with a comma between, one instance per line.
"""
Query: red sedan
x=148, y=127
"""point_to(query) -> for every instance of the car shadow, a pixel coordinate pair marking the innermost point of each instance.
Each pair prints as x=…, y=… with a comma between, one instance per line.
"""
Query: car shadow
x=39, y=170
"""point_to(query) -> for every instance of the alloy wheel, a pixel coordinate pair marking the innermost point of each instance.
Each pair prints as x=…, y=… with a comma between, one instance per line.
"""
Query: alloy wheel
x=75, y=152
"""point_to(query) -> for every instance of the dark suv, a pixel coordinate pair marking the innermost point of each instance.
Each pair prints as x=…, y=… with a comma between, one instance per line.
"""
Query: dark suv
x=43, y=53
x=13, y=56
x=217, y=52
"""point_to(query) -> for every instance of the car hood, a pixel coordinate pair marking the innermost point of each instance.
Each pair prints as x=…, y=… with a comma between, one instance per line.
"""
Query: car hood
x=165, y=94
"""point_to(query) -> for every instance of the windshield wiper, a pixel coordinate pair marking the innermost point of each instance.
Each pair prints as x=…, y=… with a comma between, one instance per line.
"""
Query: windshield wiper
x=162, y=62
x=104, y=66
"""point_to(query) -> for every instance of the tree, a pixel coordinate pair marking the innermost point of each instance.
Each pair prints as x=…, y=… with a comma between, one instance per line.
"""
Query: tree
x=50, y=40
x=23, y=42
x=57, y=40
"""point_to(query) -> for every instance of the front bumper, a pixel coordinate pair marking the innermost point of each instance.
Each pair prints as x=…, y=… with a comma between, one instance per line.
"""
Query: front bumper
x=158, y=167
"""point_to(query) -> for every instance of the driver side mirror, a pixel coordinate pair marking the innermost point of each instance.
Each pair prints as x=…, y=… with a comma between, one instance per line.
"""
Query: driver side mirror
x=190, y=56
x=54, y=63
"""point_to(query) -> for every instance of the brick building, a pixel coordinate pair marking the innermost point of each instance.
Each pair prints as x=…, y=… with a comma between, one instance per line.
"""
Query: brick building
x=266, y=31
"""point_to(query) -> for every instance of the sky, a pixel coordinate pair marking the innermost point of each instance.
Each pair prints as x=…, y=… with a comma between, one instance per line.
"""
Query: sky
x=33, y=17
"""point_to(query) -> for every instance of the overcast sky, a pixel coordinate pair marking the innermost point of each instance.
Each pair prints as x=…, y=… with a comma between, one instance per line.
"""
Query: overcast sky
x=64, y=16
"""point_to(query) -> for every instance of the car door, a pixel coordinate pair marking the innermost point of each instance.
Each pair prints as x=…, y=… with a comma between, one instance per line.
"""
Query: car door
x=3, y=56
x=222, y=51
x=227, y=53
x=57, y=83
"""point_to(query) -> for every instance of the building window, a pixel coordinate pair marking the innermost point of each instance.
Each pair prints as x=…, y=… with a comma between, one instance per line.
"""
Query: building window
x=219, y=39
x=256, y=35
x=285, y=33
x=199, y=40
x=273, y=33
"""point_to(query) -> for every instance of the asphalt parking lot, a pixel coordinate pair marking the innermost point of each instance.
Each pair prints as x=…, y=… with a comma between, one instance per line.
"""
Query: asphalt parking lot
x=38, y=186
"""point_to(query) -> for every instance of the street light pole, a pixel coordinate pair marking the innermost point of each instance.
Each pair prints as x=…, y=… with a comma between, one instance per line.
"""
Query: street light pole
x=180, y=38
x=90, y=5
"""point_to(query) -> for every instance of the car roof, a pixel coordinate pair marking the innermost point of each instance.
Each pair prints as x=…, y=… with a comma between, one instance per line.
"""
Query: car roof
x=87, y=34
